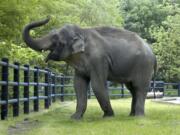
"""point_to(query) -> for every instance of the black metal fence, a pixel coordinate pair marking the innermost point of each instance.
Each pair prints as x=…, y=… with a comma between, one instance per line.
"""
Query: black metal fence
x=38, y=84
x=25, y=85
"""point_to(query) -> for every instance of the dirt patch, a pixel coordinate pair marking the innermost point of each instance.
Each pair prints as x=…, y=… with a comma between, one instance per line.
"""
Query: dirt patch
x=22, y=127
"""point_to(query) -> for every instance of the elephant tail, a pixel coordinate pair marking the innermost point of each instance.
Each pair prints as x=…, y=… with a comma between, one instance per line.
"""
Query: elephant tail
x=154, y=77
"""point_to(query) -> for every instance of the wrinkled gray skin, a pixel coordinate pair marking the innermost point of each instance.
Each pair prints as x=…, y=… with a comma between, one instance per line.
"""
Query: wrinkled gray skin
x=97, y=55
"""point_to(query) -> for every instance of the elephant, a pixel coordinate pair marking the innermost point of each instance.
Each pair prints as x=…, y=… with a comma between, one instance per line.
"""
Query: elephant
x=99, y=54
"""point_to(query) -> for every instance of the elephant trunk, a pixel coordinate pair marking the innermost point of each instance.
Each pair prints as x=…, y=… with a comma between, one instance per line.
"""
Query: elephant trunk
x=36, y=44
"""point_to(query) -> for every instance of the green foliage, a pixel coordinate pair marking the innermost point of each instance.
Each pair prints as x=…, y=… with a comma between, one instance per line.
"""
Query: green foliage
x=20, y=54
x=167, y=48
x=100, y=12
x=140, y=16
x=15, y=14
x=157, y=21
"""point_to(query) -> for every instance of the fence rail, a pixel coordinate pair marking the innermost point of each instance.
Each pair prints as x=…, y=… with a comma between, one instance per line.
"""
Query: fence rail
x=49, y=84
x=34, y=84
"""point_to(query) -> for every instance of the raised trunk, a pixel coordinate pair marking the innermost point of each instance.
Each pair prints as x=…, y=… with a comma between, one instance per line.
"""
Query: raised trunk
x=36, y=44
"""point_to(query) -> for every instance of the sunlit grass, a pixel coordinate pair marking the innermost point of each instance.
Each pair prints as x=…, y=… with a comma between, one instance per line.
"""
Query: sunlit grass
x=160, y=119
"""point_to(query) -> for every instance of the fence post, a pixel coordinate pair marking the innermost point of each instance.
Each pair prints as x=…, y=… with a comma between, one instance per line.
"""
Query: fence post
x=122, y=90
x=163, y=88
x=4, y=94
x=16, y=90
x=36, y=89
x=179, y=89
x=46, y=92
x=50, y=88
x=62, y=88
x=26, y=89
x=53, y=88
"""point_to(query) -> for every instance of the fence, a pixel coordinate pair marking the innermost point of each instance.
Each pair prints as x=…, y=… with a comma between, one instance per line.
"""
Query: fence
x=52, y=82
x=23, y=84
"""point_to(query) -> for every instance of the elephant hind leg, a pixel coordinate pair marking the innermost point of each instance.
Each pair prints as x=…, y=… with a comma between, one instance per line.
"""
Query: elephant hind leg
x=131, y=89
x=138, y=90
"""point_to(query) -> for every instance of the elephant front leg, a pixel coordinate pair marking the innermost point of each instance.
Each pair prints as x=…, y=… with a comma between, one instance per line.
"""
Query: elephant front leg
x=101, y=93
x=80, y=85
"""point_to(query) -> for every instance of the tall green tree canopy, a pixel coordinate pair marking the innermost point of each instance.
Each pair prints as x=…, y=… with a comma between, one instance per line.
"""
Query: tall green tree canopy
x=157, y=21
x=15, y=14
x=141, y=15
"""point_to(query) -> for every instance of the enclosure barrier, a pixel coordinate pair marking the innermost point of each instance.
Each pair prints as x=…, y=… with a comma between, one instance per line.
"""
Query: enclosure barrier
x=51, y=83
x=35, y=84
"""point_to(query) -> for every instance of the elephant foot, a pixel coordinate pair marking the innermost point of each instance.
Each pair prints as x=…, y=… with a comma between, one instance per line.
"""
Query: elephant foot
x=108, y=114
x=76, y=116
x=136, y=114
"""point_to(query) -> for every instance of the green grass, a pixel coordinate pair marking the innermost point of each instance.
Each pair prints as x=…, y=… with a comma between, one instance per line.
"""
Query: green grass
x=160, y=119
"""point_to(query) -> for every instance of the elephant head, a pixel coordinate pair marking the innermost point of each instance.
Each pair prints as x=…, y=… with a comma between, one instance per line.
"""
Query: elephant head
x=62, y=43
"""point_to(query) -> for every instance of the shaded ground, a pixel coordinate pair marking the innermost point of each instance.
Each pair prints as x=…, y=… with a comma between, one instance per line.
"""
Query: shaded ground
x=25, y=125
x=22, y=127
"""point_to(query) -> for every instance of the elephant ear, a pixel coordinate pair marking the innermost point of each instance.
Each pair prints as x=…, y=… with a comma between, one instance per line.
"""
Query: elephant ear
x=78, y=45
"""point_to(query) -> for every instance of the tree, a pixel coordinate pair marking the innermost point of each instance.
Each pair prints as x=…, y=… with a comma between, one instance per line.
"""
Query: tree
x=167, y=48
x=101, y=12
x=140, y=16
x=15, y=14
